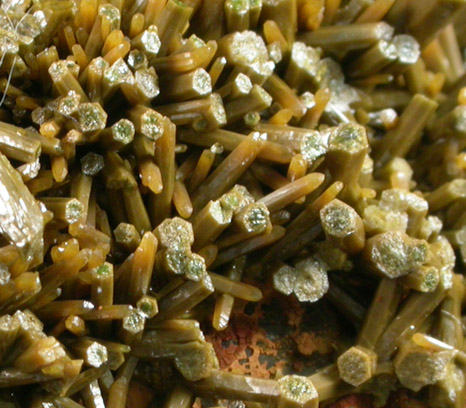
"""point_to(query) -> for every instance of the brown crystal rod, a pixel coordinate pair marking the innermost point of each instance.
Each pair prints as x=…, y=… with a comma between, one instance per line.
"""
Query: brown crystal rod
x=118, y=392
x=328, y=383
x=222, y=384
x=229, y=140
x=287, y=194
x=379, y=56
x=284, y=95
x=448, y=330
x=228, y=172
x=375, y=11
x=225, y=302
x=160, y=204
x=18, y=144
x=183, y=298
x=179, y=397
x=343, y=226
x=143, y=264
x=62, y=308
x=303, y=229
x=249, y=245
x=380, y=313
x=239, y=290
x=426, y=20
x=399, y=141
x=348, y=37
x=407, y=320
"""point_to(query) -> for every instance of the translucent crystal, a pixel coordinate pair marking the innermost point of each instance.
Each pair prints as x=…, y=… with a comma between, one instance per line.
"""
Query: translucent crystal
x=151, y=40
x=74, y=210
x=92, y=163
x=314, y=144
x=91, y=117
x=312, y=281
x=96, y=354
x=137, y=60
x=175, y=233
x=118, y=73
x=152, y=124
x=134, y=321
x=243, y=83
x=112, y=14
x=306, y=58
x=201, y=82
x=123, y=131
x=247, y=49
x=147, y=82
x=69, y=104
x=21, y=221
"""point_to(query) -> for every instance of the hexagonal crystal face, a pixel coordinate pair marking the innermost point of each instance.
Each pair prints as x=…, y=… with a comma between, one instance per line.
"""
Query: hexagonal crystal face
x=151, y=40
x=137, y=60
x=216, y=148
x=194, y=363
x=275, y=52
x=388, y=49
x=123, y=131
x=256, y=218
x=240, y=7
x=243, y=83
x=349, y=136
x=175, y=233
x=91, y=117
x=176, y=260
x=96, y=354
x=312, y=281
x=152, y=124
x=314, y=144
x=248, y=49
x=99, y=65
x=377, y=220
x=57, y=70
x=74, y=210
x=195, y=268
x=251, y=118
x=408, y=48
x=396, y=254
x=338, y=218
x=134, y=321
x=305, y=57
x=263, y=94
x=118, y=73
x=112, y=14
x=69, y=103
x=125, y=232
x=308, y=280
x=147, y=82
x=402, y=200
x=201, y=82
x=146, y=308
x=29, y=25
x=298, y=390
x=103, y=270
x=284, y=279
x=196, y=41
x=356, y=364
x=92, y=163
